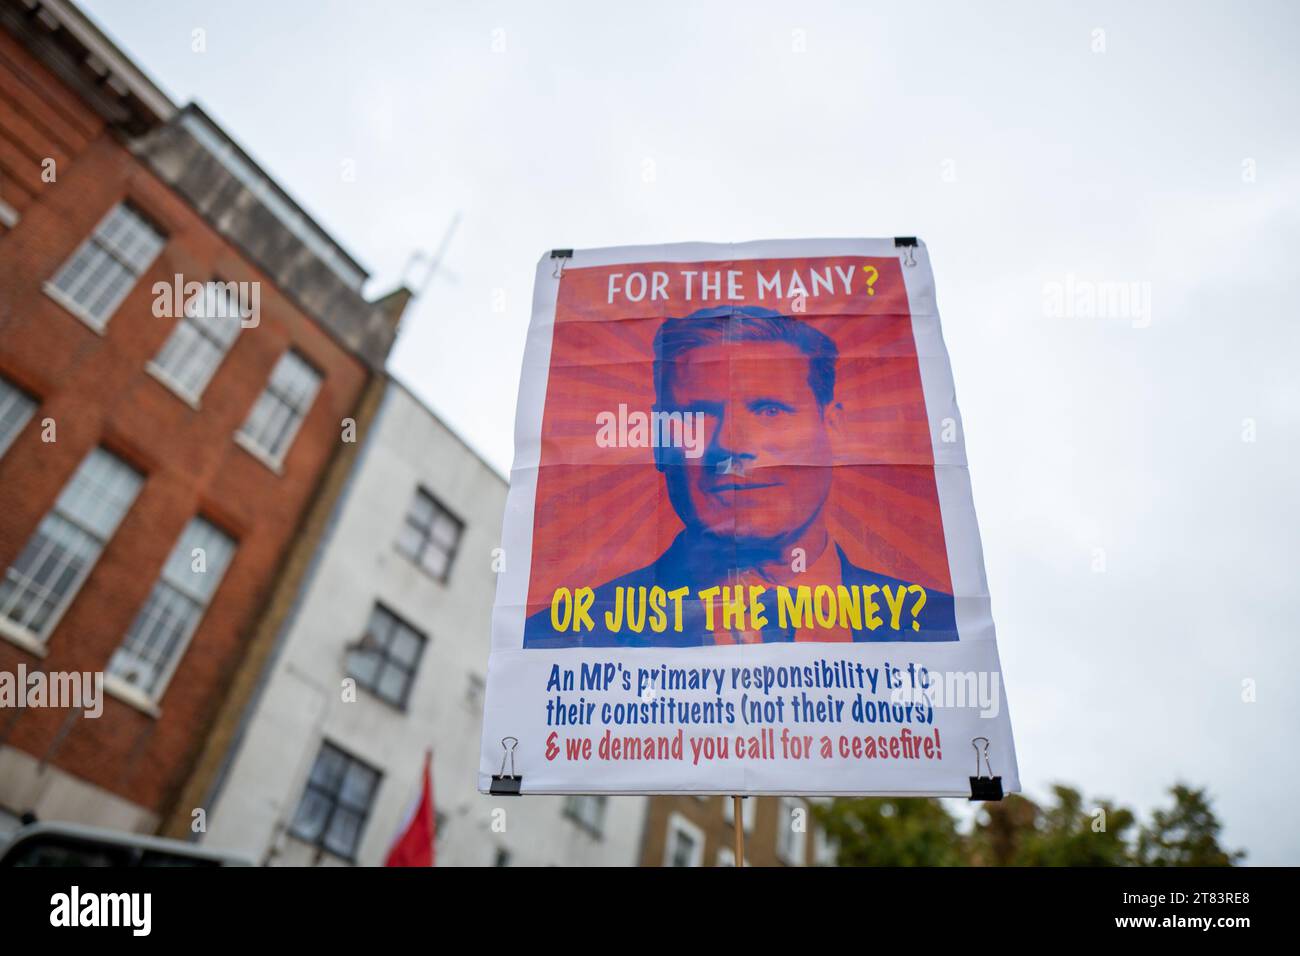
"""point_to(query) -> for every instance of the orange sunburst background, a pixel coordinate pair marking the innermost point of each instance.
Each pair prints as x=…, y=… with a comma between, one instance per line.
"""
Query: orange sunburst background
x=602, y=512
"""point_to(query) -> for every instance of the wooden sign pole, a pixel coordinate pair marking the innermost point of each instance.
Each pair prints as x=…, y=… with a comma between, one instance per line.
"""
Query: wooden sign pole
x=740, y=831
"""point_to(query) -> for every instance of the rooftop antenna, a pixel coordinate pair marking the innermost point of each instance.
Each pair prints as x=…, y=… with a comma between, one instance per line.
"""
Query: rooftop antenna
x=433, y=264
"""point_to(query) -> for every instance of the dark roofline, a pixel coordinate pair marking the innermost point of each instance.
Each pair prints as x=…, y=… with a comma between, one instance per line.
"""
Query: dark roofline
x=194, y=107
x=205, y=166
x=63, y=38
x=78, y=51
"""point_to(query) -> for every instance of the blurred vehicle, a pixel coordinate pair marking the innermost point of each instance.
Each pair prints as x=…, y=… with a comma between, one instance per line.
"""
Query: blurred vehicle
x=70, y=844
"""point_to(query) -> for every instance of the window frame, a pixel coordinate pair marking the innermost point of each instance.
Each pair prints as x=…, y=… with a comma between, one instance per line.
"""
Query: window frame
x=154, y=696
x=82, y=311
x=397, y=621
x=250, y=444
x=573, y=801
x=18, y=394
x=426, y=534
x=159, y=371
x=677, y=823
x=38, y=641
x=317, y=842
x=784, y=831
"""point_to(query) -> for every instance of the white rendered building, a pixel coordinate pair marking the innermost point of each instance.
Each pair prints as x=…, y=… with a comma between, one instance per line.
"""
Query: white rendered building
x=383, y=657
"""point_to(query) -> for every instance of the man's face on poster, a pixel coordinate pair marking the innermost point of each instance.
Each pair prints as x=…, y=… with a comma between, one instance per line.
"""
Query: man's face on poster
x=766, y=469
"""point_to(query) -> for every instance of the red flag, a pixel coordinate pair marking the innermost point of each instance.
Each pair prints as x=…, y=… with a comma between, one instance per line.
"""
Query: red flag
x=415, y=837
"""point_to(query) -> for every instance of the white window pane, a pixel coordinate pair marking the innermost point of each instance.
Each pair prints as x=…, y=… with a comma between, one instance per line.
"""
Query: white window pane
x=258, y=421
x=329, y=768
x=165, y=617
x=386, y=658
x=434, y=561
x=161, y=627
x=96, y=282
x=175, y=352
x=295, y=380
x=357, y=784
x=683, y=849
x=267, y=423
x=164, y=626
x=344, y=831
x=335, y=802
x=190, y=356
x=16, y=407
x=100, y=493
x=99, y=271
x=281, y=425
x=790, y=843
x=46, y=572
x=379, y=630
x=75, y=272
x=59, y=555
x=410, y=540
x=198, y=575
x=104, y=268
x=280, y=409
x=113, y=229
x=446, y=530
x=217, y=314
x=313, y=811
x=588, y=810
x=104, y=299
x=430, y=534
x=363, y=665
x=197, y=366
x=422, y=510
x=405, y=646
x=392, y=684
x=127, y=235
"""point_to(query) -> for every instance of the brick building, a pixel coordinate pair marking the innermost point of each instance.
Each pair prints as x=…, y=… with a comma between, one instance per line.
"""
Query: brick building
x=700, y=831
x=185, y=362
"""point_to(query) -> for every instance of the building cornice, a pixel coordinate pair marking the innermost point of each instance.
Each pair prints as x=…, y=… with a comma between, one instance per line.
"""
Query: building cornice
x=77, y=51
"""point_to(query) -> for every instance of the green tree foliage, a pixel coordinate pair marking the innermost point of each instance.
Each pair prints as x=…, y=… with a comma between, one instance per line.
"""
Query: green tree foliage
x=1185, y=835
x=893, y=832
x=1017, y=831
x=1002, y=829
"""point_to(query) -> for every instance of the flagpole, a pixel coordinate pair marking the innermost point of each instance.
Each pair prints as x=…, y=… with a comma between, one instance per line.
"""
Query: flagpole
x=740, y=831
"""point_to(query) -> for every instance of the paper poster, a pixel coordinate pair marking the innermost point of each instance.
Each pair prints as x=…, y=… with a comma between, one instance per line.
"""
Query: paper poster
x=740, y=553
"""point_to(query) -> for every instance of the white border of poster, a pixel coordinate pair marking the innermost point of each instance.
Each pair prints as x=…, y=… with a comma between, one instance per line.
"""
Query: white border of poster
x=515, y=701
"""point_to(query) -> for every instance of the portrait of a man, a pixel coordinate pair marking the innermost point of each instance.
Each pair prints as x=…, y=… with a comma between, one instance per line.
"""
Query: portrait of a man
x=753, y=504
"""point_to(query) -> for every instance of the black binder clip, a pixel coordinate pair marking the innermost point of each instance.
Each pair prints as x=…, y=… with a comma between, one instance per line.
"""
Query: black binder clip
x=560, y=255
x=984, y=788
x=908, y=244
x=507, y=784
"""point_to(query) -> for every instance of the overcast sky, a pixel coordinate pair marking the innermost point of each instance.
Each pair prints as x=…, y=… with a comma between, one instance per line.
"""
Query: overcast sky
x=1024, y=146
